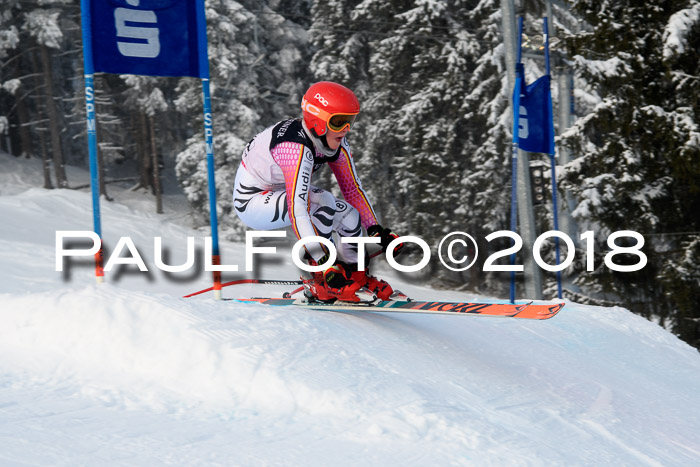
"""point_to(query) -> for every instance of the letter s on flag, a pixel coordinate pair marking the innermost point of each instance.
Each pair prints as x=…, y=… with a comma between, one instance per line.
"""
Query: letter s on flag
x=148, y=49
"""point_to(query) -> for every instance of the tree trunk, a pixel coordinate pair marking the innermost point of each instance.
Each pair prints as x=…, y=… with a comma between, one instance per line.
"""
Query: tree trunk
x=156, y=167
x=38, y=115
x=45, y=162
x=144, y=152
x=26, y=147
x=58, y=162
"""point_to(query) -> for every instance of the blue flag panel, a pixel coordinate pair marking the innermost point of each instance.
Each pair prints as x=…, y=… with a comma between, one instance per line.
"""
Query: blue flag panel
x=149, y=37
x=535, y=119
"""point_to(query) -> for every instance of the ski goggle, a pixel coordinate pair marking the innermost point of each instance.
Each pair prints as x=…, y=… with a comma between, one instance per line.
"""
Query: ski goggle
x=340, y=122
x=335, y=122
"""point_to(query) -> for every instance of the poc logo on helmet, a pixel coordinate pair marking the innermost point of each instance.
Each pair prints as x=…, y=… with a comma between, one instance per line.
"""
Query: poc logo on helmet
x=309, y=107
x=320, y=98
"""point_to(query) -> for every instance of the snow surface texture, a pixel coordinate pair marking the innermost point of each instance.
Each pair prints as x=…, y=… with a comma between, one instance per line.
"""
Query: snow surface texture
x=129, y=373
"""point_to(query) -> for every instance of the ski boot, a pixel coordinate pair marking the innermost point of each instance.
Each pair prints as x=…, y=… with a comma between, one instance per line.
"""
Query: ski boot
x=378, y=286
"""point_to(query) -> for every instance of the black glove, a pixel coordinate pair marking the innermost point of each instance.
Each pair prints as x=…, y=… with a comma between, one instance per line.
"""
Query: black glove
x=336, y=276
x=386, y=236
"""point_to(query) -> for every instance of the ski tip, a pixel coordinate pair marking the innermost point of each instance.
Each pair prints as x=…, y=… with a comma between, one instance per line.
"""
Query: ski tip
x=556, y=308
x=551, y=310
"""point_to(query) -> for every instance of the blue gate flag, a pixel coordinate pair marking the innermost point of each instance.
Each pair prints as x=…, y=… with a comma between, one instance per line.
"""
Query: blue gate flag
x=535, y=119
x=154, y=38
x=149, y=37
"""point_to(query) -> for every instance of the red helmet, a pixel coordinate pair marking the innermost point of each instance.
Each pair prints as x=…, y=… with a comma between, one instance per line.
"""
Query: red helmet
x=328, y=105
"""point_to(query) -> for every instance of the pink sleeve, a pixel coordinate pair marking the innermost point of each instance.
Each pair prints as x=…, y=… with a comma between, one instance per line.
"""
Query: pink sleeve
x=344, y=170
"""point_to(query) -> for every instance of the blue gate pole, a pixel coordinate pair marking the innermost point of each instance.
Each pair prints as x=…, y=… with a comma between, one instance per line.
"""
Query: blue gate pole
x=209, y=144
x=213, y=218
x=89, y=71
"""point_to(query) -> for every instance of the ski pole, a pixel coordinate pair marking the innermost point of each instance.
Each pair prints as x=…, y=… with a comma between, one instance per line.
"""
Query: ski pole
x=248, y=281
x=261, y=281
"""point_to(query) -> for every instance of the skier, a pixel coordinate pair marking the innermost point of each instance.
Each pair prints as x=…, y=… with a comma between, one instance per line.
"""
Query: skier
x=274, y=189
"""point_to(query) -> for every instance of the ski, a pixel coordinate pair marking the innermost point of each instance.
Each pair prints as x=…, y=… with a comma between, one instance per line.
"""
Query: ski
x=525, y=310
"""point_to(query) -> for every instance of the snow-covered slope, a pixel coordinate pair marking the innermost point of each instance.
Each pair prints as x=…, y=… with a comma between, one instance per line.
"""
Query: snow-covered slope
x=129, y=373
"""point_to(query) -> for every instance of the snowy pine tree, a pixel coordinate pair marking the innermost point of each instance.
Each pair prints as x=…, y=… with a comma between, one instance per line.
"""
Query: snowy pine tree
x=257, y=62
x=639, y=148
